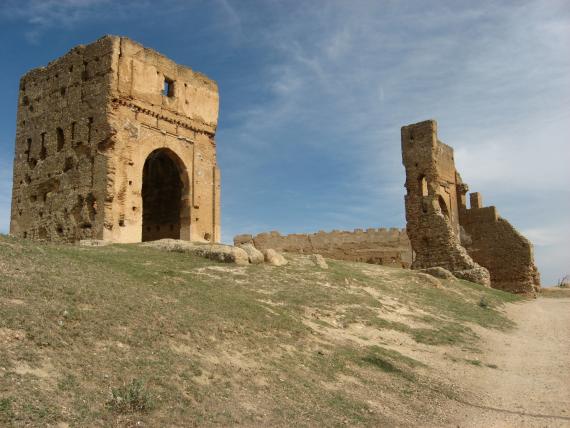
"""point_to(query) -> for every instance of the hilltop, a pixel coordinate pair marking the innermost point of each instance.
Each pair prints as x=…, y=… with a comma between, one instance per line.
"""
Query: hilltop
x=127, y=335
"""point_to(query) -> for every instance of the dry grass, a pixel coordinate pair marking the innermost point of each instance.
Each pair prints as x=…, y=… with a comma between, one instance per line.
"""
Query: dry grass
x=122, y=334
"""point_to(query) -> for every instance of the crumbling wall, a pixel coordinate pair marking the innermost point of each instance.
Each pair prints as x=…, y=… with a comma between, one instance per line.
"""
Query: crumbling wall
x=86, y=125
x=378, y=246
x=58, y=181
x=494, y=243
x=475, y=244
x=431, y=204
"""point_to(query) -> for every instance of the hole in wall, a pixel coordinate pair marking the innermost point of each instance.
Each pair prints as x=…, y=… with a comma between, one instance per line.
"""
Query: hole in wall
x=168, y=88
x=60, y=136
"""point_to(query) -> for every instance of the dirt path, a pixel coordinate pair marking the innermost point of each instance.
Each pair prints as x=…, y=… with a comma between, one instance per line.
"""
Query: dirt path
x=531, y=387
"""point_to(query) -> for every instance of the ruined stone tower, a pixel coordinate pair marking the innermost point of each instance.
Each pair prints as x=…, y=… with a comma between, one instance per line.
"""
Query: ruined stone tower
x=114, y=141
x=475, y=244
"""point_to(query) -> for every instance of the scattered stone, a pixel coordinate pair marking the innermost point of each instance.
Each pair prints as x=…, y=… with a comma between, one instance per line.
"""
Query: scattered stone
x=93, y=243
x=218, y=252
x=477, y=275
x=438, y=272
x=274, y=258
x=255, y=256
x=375, y=246
x=319, y=261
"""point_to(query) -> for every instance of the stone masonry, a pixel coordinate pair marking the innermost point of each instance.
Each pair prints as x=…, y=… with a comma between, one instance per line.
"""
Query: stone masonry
x=378, y=246
x=114, y=141
x=474, y=243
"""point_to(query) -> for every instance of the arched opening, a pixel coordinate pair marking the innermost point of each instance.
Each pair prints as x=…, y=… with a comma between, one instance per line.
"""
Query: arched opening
x=443, y=206
x=162, y=193
x=423, y=185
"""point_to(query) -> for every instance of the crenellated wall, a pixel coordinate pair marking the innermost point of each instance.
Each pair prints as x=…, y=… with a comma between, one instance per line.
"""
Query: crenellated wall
x=379, y=246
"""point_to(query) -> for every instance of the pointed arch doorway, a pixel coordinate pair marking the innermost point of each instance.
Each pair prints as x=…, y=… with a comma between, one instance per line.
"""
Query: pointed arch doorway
x=164, y=191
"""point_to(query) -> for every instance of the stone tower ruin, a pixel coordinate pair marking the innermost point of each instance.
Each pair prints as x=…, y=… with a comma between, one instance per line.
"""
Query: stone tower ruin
x=114, y=141
x=474, y=243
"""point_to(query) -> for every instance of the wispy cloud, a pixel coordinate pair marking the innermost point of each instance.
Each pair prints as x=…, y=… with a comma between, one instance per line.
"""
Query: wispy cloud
x=41, y=15
x=348, y=76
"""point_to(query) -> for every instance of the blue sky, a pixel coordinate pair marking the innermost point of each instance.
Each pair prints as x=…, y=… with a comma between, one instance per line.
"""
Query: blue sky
x=313, y=95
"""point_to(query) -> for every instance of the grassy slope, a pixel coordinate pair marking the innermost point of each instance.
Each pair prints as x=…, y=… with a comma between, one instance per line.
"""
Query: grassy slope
x=220, y=344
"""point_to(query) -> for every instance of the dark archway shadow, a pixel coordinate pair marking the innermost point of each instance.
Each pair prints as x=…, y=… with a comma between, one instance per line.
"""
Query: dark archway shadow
x=163, y=190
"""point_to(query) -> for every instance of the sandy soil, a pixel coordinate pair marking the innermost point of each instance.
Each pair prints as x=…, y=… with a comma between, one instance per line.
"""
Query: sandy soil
x=531, y=387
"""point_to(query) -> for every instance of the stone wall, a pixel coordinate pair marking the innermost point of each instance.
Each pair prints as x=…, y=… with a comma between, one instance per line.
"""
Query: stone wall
x=474, y=244
x=494, y=243
x=379, y=246
x=96, y=124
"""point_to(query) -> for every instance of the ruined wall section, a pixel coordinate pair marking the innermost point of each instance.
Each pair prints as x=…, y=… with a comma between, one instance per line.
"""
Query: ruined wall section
x=146, y=116
x=378, y=246
x=59, y=175
x=432, y=210
x=492, y=242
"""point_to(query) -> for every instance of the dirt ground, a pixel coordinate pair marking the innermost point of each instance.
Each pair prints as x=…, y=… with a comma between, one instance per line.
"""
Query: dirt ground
x=531, y=388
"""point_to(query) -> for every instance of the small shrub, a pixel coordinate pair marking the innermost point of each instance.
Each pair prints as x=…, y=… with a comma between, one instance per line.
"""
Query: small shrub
x=564, y=282
x=484, y=303
x=131, y=398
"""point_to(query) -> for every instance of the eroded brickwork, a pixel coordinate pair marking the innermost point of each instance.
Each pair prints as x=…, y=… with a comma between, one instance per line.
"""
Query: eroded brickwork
x=115, y=141
x=379, y=246
x=475, y=244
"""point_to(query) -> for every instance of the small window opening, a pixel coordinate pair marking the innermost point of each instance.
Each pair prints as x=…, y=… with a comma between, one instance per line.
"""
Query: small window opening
x=168, y=89
x=89, y=128
x=43, y=150
x=60, y=139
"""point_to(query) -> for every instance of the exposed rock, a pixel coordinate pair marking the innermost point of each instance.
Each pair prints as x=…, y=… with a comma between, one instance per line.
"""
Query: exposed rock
x=217, y=252
x=274, y=258
x=319, y=260
x=477, y=275
x=94, y=243
x=255, y=256
x=438, y=272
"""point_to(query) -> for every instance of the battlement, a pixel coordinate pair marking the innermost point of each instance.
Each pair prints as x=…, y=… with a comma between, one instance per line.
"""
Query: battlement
x=373, y=245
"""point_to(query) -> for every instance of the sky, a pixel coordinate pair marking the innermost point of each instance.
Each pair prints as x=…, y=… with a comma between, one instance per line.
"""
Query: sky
x=313, y=95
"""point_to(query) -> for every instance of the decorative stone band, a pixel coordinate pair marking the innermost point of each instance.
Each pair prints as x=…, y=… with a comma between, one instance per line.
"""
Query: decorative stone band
x=202, y=128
